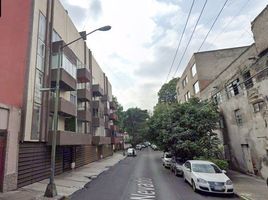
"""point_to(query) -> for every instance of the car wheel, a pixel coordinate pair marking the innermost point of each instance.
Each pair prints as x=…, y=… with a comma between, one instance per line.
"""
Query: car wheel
x=193, y=186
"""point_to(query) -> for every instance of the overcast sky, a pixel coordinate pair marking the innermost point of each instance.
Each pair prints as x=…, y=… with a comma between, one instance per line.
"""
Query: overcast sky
x=137, y=52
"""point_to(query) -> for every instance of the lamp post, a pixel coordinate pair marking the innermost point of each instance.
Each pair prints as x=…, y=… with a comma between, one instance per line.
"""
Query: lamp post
x=51, y=189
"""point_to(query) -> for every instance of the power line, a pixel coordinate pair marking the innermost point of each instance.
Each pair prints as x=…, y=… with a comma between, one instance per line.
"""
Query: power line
x=213, y=24
x=191, y=36
x=231, y=20
x=190, y=11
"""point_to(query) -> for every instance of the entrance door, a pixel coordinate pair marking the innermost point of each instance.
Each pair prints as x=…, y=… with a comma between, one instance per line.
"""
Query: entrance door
x=247, y=157
x=2, y=160
x=67, y=158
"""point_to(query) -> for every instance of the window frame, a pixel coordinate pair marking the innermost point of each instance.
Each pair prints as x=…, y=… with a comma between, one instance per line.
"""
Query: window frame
x=193, y=67
x=196, y=83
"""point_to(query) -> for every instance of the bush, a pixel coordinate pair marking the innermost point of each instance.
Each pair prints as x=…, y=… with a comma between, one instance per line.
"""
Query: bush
x=223, y=164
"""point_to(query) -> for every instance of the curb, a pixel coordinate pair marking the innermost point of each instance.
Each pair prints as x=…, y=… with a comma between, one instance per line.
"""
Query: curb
x=242, y=197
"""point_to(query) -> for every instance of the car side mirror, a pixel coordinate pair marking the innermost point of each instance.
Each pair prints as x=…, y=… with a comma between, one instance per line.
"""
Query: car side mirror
x=223, y=171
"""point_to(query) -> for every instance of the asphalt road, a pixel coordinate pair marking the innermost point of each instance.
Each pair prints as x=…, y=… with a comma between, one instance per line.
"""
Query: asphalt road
x=141, y=177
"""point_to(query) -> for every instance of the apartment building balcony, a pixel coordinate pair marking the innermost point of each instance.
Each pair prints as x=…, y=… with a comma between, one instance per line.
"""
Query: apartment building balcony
x=70, y=138
x=104, y=98
x=97, y=122
x=106, y=125
x=112, y=105
x=98, y=105
x=67, y=81
x=99, y=140
x=83, y=94
x=114, y=128
x=97, y=90
x=113, y=116
x=83, y=75
x=106, y=110
x=65, y=108
x=117, y=139
x=84, y=115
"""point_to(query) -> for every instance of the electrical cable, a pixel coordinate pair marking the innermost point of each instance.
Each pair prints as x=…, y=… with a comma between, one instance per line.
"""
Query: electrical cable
x=212, y=25
x=203, y=8
x=184, y=28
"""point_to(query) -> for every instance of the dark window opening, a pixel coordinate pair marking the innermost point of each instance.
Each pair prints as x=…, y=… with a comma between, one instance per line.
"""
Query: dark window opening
x=248, y=80
x=233, y=88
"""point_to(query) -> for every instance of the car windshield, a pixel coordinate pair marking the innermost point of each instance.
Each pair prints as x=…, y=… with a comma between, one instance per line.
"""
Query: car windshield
x=168, y=156
x=206, y=168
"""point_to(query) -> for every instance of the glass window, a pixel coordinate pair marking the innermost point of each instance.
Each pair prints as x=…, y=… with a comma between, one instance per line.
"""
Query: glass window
x=42, y=27
x=217, y=98
x=258, y=106
x=206, y=168
x=185, y=81
x=248, y=80
x=233, y=88
x=196, y=87
x=36, y=122
x=238, y=117
x=55, y=36
x=187, y=96
x=73, y=97
x=193, y=70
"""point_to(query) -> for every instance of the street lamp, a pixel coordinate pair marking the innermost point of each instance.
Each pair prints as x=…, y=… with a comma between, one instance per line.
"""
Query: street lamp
x=51, y=189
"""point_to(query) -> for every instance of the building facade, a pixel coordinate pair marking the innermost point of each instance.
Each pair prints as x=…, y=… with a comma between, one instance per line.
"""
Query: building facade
x=242, y=96
x=201, y=69
x=29, y=64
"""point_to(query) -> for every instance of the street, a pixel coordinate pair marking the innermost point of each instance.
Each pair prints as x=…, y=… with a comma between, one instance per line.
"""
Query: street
x=141, y=177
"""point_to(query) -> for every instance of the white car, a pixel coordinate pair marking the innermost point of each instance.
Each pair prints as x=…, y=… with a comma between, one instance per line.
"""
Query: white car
x=131, y=152
x=166, y=159
x=206, y=176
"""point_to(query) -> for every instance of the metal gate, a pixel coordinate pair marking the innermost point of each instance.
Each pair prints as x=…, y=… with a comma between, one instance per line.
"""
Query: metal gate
x=67, y=158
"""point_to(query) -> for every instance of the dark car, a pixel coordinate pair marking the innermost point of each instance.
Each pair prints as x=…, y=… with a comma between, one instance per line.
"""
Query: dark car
x=176, y=165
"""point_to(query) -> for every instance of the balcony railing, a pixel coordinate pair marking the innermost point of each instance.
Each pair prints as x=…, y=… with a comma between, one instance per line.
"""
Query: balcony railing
x=83, y=75
x=67, y=82
x=66, y=108
x=113, y=116
x=97, y=121
x=83, y=94
x=70, y=138
x=99, y=140
x=84, y=115
x=97, y=90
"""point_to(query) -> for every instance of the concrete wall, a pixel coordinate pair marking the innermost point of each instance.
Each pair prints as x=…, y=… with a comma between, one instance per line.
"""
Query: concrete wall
x=247, y=142
x=12, y=116
x=260, y=31
x=97, y=73
x=14, y=42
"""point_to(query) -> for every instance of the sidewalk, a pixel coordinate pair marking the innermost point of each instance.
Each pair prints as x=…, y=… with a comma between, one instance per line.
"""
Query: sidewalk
x=248, y=187
x=67, y=183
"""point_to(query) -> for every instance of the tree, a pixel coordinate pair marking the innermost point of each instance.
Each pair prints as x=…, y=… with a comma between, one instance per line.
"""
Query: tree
x=120, y=113
x=186, y=129
x=167, y=93
x=135, y=124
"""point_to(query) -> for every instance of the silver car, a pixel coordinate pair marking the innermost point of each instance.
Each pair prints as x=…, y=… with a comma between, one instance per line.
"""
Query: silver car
x=176, y=166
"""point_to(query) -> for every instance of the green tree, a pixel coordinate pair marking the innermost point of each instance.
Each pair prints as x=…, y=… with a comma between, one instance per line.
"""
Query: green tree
x=120, y=113
x=135, y=123
x=186, y=129
x=167, y=93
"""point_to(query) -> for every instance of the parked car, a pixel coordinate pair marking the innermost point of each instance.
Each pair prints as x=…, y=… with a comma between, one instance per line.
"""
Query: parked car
x=154, y=147
x=206, y=176
x=176, y=165
x=143, y=146
x=138, y=147
x=131, y=152
x=166, y=159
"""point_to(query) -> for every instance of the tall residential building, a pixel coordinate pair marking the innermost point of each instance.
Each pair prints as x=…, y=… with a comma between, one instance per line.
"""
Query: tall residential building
x=201, y=69
x=29, y=60
x=241, y=93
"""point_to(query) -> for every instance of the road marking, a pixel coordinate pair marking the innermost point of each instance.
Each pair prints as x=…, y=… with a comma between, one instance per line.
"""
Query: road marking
x=145, y=189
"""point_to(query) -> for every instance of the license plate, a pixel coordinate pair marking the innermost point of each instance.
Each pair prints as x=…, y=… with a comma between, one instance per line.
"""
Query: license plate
x=218, y=187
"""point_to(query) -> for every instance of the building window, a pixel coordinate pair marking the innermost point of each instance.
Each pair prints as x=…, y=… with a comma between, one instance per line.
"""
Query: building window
x=55, y=36
x=187, y=96
x=185, y=81
x=196, y=87
x=73, y=97
x=233, y=88
x=193, y=70
x=247, y=80
x=258, y=106
x=238, y=117
x=39, y=77
x=217, y=98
